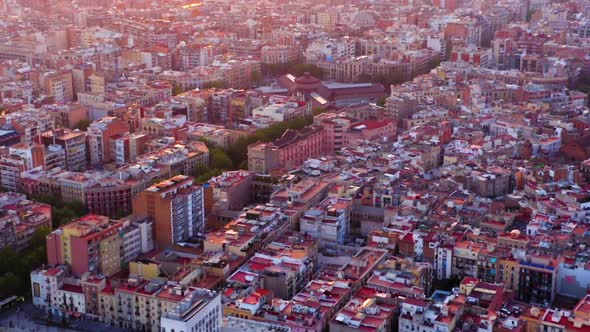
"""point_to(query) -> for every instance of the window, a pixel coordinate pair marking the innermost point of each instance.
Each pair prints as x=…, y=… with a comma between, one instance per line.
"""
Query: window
x=36, y=290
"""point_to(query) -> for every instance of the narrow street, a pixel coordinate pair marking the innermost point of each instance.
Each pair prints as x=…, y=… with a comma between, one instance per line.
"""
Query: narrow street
x=28, y=318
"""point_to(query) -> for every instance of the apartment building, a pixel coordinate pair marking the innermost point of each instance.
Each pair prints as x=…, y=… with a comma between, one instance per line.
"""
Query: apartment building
x=287, y=152
x=100, y=134
x=20, y=218
x=73, y=143
x=279, y=54
x=177, y=208
x=200, y=311
x=329, y=220
x=537, y=279
x=59, y=85
x=88, y=244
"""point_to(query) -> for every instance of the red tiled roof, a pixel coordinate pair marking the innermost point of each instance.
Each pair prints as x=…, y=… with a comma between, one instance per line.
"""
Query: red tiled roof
x=228, y=292
x=416, y=302
x=52, y=272
x=72, y=288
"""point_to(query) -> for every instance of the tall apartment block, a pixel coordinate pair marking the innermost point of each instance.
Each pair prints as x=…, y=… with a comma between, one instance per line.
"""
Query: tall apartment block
x=177, y=207
x=100, y=135
x=74, y=144
x=88, y=244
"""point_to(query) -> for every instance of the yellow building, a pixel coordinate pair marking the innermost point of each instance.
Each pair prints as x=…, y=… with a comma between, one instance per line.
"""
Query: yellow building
x=230, y=241
x=60, y=85
x=145, y=269
x=88, y=244
x=97, y=84
x=508, y=272
x=138, y=305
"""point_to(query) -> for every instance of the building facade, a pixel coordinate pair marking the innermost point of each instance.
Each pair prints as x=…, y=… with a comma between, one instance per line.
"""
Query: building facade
x=177, y=208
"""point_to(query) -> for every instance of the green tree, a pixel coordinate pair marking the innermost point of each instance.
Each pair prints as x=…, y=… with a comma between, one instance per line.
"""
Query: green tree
x=301, y=68
x=47, y=199
x=83, y=124
x=208, y=175
x=8, y=283
x=62, y=216
x=77, y=207
x=236, y=155
x=220, y=159
x=38, y=238
x=364, y=78
x=214, y=84
x=176, y=90
x=275, y=69
x=62, y=212
x=15, y=267
x=9, y=260
x=583, y=83
x=239, y=150
x=380, y=78
x=257, y=77
x=318, y=111
x=200, y=169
